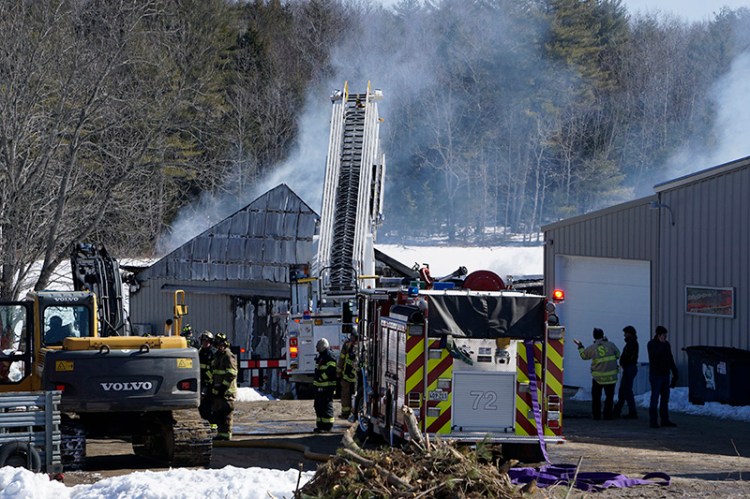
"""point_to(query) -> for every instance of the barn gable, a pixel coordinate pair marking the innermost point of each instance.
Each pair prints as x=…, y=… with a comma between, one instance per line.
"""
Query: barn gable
x=257, y=243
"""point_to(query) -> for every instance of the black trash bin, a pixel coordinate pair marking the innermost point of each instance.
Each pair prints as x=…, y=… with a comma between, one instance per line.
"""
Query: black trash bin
x=718, y=374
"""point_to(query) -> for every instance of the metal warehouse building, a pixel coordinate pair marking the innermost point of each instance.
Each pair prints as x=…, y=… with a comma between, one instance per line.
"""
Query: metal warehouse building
x=678, y=258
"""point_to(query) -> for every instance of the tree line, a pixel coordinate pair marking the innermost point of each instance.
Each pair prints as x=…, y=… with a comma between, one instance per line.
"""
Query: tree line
x=501, y=115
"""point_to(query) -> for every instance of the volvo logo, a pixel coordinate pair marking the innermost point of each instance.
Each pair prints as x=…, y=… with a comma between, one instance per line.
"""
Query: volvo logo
x=127, y=387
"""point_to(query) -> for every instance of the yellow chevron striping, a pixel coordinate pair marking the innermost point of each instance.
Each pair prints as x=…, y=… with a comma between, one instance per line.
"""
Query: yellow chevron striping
x=414, y=355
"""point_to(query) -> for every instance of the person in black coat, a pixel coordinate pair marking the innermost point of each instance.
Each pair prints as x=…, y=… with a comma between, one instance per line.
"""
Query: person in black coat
x=661, y=363
x=629, y=364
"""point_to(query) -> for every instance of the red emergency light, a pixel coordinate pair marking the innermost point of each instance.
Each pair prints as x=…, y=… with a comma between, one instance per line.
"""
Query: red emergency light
x=558, y=295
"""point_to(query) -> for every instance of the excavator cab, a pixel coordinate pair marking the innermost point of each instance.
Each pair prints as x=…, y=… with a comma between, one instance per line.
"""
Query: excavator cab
x=66, y=320
x=30, y=329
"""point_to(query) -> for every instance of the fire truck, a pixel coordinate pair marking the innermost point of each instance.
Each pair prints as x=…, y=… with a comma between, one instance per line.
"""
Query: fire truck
x=473, y=360
x=324, y=291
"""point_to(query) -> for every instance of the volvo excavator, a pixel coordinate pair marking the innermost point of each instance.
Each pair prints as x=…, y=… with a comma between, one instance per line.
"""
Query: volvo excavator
x=145, y=389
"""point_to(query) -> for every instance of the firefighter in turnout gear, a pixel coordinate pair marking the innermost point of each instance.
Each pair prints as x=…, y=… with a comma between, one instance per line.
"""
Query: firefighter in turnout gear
x=325, y=386
x=187, y=333
x=347, y=374
x=603, y=355
x=206, y=357
x=223, y=387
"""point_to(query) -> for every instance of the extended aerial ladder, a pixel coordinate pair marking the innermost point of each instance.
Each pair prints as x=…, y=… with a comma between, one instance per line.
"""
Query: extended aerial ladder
x=352, y=193
x=323, y=300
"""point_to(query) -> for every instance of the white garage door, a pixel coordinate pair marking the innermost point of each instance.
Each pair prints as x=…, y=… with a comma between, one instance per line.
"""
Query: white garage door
x=605, y=293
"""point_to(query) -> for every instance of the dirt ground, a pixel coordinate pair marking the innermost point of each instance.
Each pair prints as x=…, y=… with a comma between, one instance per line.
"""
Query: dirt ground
x=705, y=457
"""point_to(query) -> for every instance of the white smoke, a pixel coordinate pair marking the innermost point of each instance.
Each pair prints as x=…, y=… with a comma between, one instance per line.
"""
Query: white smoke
x=394, y=66
x=303, y=172
x=730, y=133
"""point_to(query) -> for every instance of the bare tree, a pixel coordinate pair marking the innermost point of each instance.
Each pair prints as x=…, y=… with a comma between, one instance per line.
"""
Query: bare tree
x=95, y=104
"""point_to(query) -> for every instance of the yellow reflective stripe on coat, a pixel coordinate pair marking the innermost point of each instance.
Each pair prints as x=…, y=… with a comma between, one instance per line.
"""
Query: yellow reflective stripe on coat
x=604, y=359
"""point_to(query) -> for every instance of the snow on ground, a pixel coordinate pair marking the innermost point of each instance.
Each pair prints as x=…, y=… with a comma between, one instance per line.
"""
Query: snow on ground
x=503, y=260
x=245, y=394
x=237, y=483
x=679, y=402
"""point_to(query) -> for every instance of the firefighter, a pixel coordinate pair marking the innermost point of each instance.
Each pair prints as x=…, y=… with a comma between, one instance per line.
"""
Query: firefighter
x=223, y=387
x=187, y=333
x=325, y=386
x=346, y=371
x=603, y=354
x=205, y=357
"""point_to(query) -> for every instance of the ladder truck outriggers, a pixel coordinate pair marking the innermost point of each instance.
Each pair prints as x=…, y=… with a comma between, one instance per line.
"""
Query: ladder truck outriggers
x=323, y=303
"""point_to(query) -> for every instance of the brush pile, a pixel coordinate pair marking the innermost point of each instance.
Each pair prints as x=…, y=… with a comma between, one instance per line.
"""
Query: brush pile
x=437, y=469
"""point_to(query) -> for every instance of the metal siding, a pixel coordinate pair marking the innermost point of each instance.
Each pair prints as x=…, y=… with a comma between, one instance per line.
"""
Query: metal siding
x=708, y=246
x=154, y=305
x=627, y=231
x=268, y=232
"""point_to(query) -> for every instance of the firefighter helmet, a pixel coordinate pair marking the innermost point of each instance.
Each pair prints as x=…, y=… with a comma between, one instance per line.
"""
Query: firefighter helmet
x=207, y=335
x=221, y=339
x=187, y=330
x=322, y=345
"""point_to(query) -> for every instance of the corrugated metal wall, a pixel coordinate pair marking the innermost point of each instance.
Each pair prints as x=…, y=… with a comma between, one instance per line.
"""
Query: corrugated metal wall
x=249, y=321
x=625, y=231
x=708, y=245
x=154, y=303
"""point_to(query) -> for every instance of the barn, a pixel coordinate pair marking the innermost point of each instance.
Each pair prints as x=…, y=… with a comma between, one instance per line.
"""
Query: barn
x=677, y=258
x=235, y=275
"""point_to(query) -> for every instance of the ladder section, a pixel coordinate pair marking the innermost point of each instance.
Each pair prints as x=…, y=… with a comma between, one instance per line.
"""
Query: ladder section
x=352, y=194
x=343, y=273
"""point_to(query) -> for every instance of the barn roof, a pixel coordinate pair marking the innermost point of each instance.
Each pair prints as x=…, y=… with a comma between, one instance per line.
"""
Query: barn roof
x=258, y=242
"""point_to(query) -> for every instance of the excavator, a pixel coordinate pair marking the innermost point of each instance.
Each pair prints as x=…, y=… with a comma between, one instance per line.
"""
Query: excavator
x=114, y=385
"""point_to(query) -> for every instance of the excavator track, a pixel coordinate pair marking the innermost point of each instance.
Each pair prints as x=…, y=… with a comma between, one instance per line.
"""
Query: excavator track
x=192, y=439
x=72, y=445
x=179, y=438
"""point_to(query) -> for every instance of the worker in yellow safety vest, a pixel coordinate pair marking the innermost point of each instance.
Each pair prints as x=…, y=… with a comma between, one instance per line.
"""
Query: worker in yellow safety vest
x=603, y=355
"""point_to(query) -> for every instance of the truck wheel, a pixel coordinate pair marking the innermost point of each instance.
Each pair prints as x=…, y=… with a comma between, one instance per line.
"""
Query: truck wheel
x=20, y=455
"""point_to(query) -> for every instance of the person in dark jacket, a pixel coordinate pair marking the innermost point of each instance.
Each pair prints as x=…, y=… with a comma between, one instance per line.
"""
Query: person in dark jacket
x=629, y=364
x=661, y=363
x=205, y=358
x=603, y=355
x=223, y=387
x=324, y=382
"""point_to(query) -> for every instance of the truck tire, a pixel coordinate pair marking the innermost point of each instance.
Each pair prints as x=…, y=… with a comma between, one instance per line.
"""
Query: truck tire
x=20, y=455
